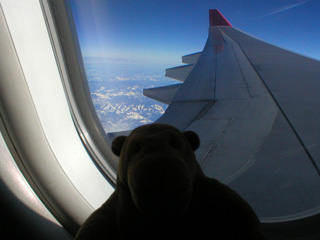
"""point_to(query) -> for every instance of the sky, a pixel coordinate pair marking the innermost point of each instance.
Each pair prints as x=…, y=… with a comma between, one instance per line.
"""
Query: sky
x=161, y=31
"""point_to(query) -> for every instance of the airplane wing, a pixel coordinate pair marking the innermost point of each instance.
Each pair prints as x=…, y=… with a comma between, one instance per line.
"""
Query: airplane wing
x=256, y=108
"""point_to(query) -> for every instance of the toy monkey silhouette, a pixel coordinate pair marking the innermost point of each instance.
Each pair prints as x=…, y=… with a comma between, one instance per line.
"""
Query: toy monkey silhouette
x=162, y=193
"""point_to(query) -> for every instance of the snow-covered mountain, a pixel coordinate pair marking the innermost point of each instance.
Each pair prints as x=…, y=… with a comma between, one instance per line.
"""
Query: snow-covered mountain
x=116, y=91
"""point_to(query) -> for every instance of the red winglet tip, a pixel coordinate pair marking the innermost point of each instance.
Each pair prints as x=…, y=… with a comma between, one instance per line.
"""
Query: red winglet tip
x=217, y=19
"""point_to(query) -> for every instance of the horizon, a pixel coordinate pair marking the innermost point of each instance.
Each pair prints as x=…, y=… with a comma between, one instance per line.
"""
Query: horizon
x=151, y=32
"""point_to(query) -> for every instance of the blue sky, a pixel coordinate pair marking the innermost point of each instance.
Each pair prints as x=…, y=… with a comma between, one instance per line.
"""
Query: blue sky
x=161, y=31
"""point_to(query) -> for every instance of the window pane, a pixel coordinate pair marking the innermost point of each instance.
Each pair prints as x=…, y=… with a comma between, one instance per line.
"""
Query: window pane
x=256, y=135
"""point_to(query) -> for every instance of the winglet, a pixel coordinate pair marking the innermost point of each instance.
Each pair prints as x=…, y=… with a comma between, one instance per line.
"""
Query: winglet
x=217, y=19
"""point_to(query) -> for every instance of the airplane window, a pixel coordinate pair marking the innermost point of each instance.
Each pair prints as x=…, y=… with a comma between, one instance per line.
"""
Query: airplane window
x=259, y=131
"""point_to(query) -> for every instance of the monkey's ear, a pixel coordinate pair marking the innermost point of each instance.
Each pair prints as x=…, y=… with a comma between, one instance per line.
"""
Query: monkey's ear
x=193, y=139
x=117, y=144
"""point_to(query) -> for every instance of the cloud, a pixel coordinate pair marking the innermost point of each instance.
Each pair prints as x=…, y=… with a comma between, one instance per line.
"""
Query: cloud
x=288, y=7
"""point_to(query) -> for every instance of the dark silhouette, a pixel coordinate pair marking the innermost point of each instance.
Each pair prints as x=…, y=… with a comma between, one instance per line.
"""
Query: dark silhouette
x=162, y=193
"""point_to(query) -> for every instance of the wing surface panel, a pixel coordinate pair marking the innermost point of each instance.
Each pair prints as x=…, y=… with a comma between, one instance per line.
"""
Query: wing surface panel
x=282, y=183
x=235, y=96
x=202, y=78
x=256, y=109
x=294, y=81
x=249, y=122
x=176, y=113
